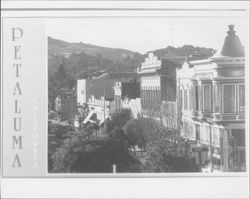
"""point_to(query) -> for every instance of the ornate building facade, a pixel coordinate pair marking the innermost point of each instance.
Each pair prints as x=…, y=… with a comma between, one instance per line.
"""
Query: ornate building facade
x=157, y=84
x=212, y=98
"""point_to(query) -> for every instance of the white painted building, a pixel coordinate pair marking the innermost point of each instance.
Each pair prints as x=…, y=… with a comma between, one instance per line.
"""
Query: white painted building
x=81, y=91
x=99, y=107
x=97, y=87
x=213, y=106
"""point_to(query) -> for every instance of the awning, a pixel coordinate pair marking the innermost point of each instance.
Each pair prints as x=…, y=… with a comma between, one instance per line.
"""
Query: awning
x=88, y=117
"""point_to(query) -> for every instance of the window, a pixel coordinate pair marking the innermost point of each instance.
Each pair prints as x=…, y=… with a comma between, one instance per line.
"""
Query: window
x=241, y=98
x=191, y=99
x=158, y=97
x=229, y=98
x=200, y=97
x=239, y=136
x=207, y=97
x=153, y=97
x=185, y=100
x=191, y=131
x=196, y=98
x=240, y=150
x=181, y=98
x=217, y=98
x=150, y=92
x=215, y=137
x=197, y=132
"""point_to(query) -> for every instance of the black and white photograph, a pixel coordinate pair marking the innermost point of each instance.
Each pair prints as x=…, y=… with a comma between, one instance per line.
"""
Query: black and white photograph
x=124, y=99
x=146, y=95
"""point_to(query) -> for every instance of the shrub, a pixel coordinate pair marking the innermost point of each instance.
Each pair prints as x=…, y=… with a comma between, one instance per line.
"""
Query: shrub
x=94, y=154
x=118, y=120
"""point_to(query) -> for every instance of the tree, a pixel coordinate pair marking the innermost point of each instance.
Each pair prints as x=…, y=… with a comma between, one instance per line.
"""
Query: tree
x=57, y=81
x=168, y=159
x=118, y=119
x=81, y=155
x=93, y=127
x=61, y=74
x=139, y=131
x=53, y=92
x=86, y=152
x=168, y=114
x=123, y=159
x=164, y=154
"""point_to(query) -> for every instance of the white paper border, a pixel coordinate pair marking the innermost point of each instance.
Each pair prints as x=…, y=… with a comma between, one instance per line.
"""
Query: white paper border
x=167, y=187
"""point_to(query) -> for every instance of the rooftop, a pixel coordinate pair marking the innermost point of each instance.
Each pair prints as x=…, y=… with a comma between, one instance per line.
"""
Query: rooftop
x=118, y=75
x=232, y=46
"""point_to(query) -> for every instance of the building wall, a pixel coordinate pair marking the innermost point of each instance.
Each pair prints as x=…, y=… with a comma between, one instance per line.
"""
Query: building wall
x=81, y=91
x=168, y=89
x=127, y=95
x=100, y=107
x=130, y=90
x=150, y=94
x=158, y=84
x=151, y=100
x=213, y=104
x=96, y=87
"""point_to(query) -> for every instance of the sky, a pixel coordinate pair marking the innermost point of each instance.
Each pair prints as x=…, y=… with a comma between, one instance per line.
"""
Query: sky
x=146, y=34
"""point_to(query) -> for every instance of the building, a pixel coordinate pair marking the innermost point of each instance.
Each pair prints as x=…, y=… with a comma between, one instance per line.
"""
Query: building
x=88, y=87
x=127, y=95
x=101, y=86
x=101, y=104
x=212, y=99
x=122, y=76
x=157, y=85
x=99, y=110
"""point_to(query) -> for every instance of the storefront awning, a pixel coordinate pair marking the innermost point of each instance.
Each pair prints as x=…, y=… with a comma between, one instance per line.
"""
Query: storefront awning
x=88, y=117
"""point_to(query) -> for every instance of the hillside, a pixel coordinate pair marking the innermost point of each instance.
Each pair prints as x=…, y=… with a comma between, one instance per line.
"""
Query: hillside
x=85, y=60
x=56, y=47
